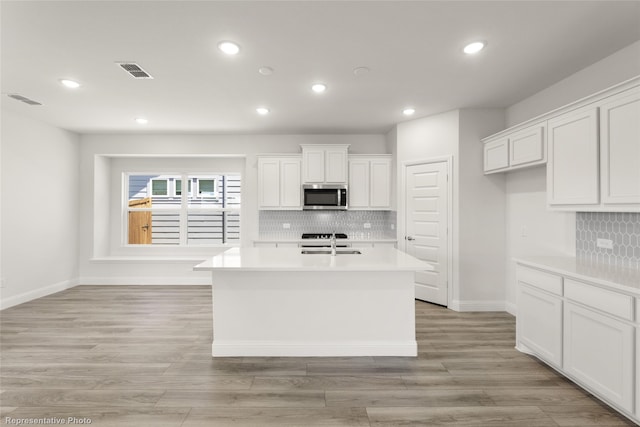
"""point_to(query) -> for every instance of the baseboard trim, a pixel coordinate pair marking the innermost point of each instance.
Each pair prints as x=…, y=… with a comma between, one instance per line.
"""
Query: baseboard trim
x=145, y=280
x=37, y=293
x=458, y=305
x=311, y=349
x=511, y=308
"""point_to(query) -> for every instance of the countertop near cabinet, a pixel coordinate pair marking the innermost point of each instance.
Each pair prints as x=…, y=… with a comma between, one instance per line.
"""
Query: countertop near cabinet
x=292, y=259
x=320, y=240
x=605, y=275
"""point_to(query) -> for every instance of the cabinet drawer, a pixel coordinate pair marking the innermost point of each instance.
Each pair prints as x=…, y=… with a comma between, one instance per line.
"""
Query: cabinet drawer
x=540, y=279
x=601, y=299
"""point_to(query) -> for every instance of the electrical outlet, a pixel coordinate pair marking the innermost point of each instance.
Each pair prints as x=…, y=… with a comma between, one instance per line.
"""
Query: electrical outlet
x=367, y=225
x=286, y=225
x=2, y=283
x=524, y=231
x=604, y=243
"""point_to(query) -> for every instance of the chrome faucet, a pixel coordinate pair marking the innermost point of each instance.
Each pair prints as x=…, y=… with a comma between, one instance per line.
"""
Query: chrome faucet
x=333, y=244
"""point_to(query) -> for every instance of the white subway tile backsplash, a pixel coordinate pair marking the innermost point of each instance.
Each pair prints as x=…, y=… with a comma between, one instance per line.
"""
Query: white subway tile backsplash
x=382, y=224
x=621, y=228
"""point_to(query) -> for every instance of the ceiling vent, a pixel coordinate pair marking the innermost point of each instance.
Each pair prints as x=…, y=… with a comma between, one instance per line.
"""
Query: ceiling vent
x=134, y=70
x=24, y=99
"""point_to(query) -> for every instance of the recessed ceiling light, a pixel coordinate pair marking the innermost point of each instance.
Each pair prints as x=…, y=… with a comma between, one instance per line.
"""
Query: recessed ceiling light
x=70, y=83
x=318, y=87
x=141, y=121
x=230, y=48
x=408, y=111
x=265, y=71
x=262, y=111
x=474, y=47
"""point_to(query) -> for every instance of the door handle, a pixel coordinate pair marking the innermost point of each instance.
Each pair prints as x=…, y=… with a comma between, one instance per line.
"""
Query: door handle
x=145, y=227
x=409, y=238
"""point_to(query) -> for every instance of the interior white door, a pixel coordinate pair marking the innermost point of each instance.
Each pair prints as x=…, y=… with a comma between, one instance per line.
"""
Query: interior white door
x=426, y=227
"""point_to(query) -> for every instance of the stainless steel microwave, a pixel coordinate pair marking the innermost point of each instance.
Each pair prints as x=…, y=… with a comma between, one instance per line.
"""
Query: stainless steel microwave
x=324, y=196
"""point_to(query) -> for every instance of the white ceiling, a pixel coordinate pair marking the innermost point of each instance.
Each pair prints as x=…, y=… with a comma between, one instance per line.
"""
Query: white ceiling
x=412, y=48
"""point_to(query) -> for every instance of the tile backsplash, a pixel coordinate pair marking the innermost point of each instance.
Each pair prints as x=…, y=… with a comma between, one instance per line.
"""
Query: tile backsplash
x=272, y=223
x=623, y=229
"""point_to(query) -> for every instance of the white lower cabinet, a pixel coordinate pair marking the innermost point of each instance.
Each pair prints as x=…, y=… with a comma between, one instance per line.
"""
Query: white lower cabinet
x=540, y=323
x=599, y=352
x=637, y=364
x=588, y=332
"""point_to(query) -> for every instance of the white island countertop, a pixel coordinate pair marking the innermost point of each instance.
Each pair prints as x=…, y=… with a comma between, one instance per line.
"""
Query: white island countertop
x=292, y=259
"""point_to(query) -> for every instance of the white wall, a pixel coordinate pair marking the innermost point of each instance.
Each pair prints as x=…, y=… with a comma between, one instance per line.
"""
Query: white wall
x=616, y=68
x=425, y=139
x=481, y=223
x=547, y=232
x=99, y=262
x=40, y=205
x=477, y=281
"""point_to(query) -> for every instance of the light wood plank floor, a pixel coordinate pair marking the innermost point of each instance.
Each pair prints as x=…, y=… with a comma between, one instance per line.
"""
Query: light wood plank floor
x=140, y=356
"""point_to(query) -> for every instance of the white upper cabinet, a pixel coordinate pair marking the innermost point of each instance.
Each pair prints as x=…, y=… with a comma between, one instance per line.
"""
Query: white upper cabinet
x=522, y=148
x=279, y=183
x=370, y=182
x=527, y=147
x=324, y=164
x=620, y=149
x=380, y=188
x=572, y=169
x=359, y=177
x=496, y=155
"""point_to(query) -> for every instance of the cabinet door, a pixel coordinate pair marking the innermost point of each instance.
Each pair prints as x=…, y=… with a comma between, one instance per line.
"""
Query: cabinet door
x=290, y=184
x=268, y=183
x=539, y=323
x=358, y=183
x=599, y=352
x=313, y=165
x=572, y=169
x=380, y=184
x=620, y=149
x=527, y=146
x=335, y=166
x=496, y=155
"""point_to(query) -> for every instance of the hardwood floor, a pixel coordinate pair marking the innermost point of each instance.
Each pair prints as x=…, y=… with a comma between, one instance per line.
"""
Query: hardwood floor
x=140, y=356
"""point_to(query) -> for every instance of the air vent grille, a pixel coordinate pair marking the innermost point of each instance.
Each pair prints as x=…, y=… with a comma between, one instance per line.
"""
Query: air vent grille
x=24, y=99
x=134, y=70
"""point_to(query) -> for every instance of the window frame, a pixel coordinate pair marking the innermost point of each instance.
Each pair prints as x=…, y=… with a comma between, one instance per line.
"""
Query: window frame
x=183, y=210
x=150, y=187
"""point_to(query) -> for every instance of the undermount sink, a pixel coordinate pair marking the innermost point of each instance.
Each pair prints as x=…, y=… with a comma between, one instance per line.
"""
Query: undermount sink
x=326, y=252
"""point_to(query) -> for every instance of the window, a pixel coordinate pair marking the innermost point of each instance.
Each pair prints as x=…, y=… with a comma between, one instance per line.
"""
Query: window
x=159, y=187
x=178, y=187
x=158, y=213
x=206, y=187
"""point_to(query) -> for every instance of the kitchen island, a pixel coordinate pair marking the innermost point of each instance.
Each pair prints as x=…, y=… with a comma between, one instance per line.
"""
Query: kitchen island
x=282, y=302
